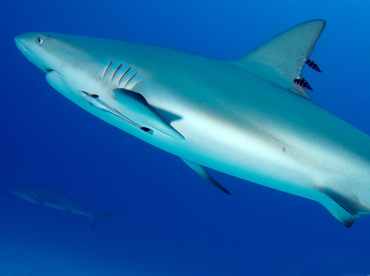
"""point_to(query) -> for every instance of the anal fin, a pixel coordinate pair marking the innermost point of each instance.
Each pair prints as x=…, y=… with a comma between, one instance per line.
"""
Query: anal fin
x=346, y=209
x=351, y=204
x=200, y=170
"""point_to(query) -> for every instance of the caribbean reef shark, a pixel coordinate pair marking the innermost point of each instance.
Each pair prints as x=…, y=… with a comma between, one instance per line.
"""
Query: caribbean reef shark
x=251, y=118
x=54, y=200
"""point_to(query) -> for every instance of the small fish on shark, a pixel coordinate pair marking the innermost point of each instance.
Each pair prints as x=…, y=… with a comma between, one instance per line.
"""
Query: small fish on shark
x=251, y=118
x=54, y=199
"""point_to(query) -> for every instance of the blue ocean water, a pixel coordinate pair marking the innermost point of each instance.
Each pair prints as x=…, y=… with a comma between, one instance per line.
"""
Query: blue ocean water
x=167, y=221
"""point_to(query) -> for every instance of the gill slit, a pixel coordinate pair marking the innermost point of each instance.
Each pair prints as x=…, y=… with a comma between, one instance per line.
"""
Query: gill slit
x=131, y=77
x=119, y=81
x=106, y=69
x=115, y=72
x=136, y=83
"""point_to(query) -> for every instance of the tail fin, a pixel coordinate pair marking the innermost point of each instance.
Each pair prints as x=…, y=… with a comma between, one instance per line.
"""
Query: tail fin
x=94, y=217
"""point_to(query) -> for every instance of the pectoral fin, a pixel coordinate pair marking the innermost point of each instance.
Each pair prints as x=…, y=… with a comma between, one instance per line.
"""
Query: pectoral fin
x=94, y=100
x=142, y=112
x=200, y=170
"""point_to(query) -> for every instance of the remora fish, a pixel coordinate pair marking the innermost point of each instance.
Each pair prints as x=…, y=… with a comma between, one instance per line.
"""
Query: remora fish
x=54, y=200
x=250, y=118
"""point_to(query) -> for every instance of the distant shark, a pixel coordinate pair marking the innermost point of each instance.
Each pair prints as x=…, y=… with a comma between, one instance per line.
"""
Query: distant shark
x=251, y=118
x=54, y=200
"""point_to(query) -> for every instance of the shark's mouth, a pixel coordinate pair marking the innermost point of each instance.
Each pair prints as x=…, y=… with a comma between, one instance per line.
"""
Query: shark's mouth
x=21, y=46
x=51, y=72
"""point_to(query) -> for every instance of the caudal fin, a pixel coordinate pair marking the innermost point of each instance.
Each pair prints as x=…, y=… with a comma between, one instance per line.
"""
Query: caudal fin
x=94, y=217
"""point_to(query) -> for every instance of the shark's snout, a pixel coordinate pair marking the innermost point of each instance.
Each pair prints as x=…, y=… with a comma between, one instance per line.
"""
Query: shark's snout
x=21, y=41
x=30, y=45
x=19, y=44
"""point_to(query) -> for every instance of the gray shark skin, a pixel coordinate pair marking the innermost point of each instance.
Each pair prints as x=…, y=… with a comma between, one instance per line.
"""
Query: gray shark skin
x=250, y=118
x=53, y=199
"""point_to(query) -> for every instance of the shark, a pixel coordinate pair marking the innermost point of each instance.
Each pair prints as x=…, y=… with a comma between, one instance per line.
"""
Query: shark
x=251, y=118
x=55, y=200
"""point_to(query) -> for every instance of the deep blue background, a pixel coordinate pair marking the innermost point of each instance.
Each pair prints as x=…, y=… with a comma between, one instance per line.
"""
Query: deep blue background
x=168, y=221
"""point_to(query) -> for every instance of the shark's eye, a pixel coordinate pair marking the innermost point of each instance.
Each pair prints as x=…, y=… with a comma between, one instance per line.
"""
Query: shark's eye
x=39, y=40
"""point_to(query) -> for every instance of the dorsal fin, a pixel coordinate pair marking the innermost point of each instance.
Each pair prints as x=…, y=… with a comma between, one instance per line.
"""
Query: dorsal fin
x=281, y=59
